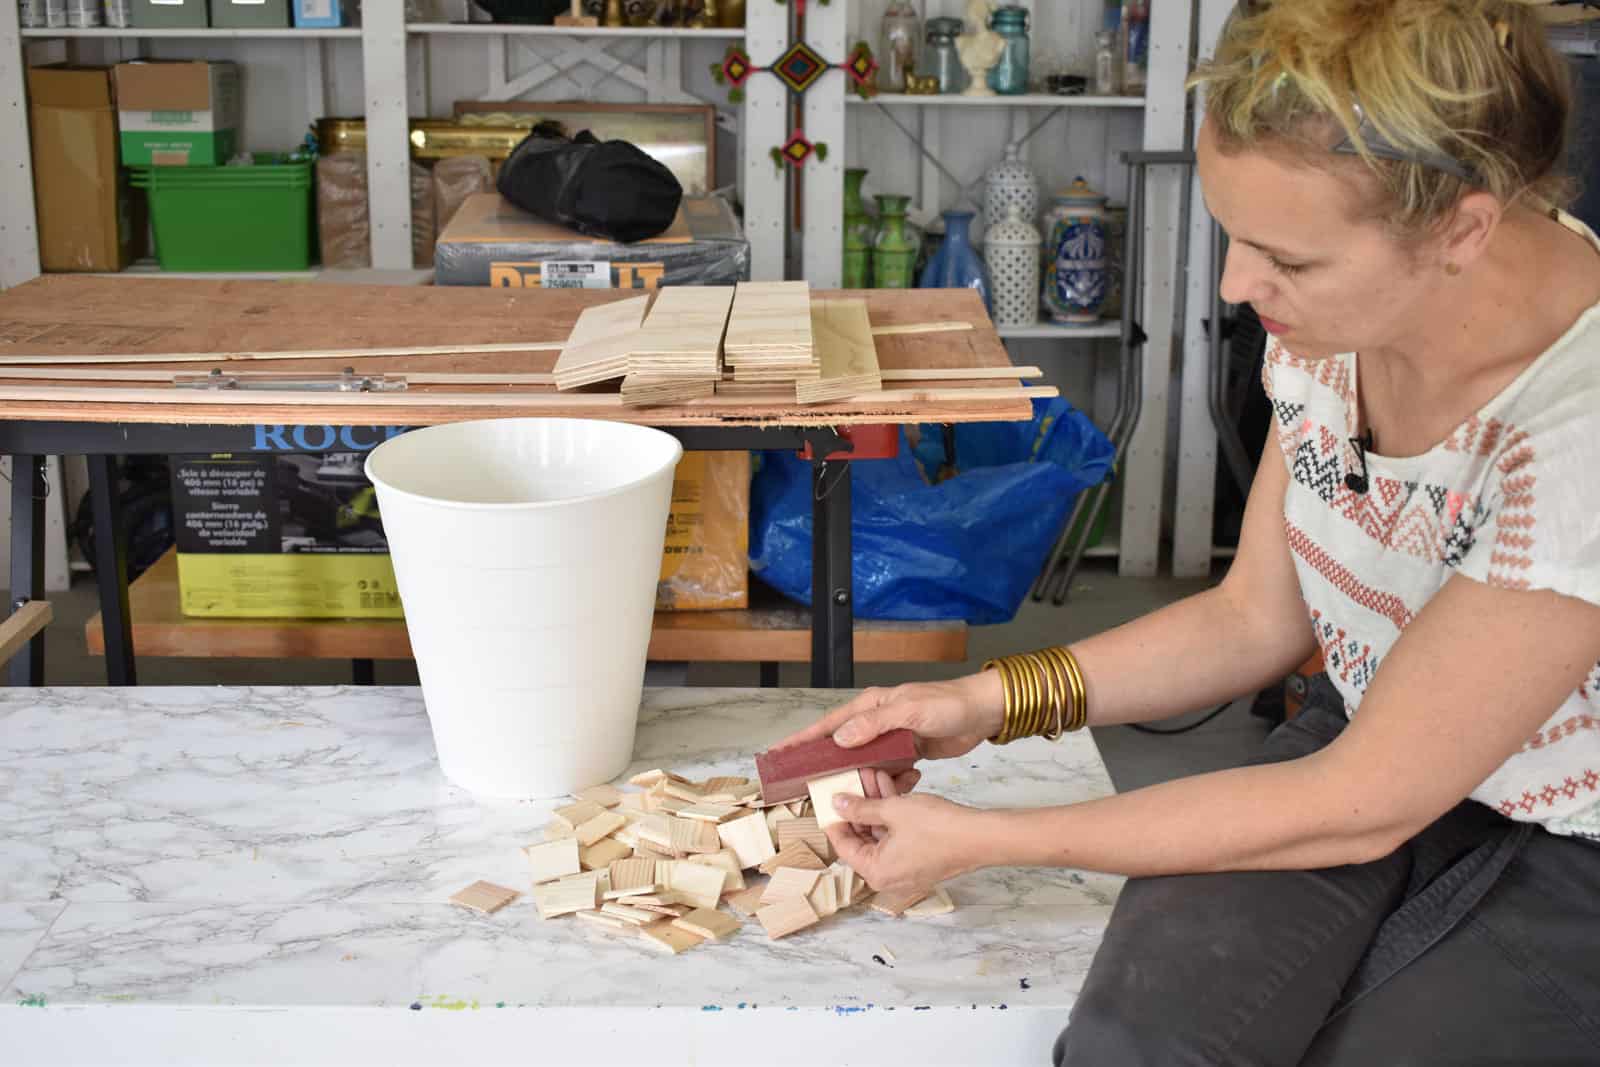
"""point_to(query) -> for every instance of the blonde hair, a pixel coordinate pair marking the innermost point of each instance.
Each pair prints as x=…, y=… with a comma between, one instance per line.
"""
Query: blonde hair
x=1474, y=81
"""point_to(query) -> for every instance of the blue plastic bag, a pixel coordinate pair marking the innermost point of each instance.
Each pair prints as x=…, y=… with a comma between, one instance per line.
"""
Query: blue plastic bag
x=967, y=547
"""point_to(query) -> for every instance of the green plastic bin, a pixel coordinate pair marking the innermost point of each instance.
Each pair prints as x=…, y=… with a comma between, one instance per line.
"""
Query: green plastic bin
x=242, y=218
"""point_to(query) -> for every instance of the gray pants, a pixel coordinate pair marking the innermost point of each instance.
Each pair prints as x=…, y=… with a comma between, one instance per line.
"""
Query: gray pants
x=1476, y=942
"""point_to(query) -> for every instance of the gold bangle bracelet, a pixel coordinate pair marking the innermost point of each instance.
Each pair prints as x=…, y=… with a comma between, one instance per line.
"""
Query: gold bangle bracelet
x=1031, y=698
x=1079, y=704
x=1055, y=694
x=1005, y=694
x=1060, y=709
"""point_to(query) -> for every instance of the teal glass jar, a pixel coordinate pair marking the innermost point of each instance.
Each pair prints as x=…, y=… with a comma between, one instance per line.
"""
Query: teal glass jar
x=1009, y=77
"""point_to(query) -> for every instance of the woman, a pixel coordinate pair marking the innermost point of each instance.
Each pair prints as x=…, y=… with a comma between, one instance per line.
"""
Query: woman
x=1421, y=885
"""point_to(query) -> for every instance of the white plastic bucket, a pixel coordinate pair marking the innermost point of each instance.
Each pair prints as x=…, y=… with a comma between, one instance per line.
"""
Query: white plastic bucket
x=527, y=553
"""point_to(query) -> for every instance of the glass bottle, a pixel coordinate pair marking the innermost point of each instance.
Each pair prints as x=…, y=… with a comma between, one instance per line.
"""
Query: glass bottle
x=1105, y=63
x=900, y=31
x=941, y=59
x=1136, y=62
x=1009, y=77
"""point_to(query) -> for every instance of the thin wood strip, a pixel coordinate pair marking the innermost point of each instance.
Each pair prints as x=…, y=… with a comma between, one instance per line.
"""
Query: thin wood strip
x=40, y=358
x=21, y=625
x=407, y=398
x=929, y=374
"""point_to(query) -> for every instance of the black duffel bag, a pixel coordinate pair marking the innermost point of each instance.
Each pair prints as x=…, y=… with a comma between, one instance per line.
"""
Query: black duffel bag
x=608, y=189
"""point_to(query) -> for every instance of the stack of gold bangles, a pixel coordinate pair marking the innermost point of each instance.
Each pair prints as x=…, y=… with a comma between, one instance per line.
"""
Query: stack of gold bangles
x=1044, y=692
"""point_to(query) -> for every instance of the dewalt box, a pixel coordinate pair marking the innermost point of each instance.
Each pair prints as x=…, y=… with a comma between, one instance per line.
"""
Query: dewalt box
x=283, y=536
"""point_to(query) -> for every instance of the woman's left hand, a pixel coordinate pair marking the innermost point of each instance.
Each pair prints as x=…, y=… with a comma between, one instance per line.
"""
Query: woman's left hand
x=902, y=843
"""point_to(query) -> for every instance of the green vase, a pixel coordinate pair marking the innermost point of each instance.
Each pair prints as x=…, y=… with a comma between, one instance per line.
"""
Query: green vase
x=858, y=232
x=894, y=253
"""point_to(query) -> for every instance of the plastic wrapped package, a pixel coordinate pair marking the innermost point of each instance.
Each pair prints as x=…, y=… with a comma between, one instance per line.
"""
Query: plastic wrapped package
x=344, y=227
x=490, y=241
x=705, y=564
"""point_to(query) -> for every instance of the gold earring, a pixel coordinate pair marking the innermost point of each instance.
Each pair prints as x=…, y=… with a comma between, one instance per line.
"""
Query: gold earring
x=1452, y=269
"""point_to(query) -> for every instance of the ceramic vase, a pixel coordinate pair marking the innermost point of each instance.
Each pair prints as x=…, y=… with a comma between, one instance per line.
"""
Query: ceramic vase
x=957, y=265
x=894, y=251
x=1077, y=273
x=1011, y=251
x=1010, y=182
x=859, y=232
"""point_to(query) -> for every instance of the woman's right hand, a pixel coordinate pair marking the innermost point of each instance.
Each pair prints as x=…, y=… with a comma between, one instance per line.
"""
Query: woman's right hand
x=949, y=718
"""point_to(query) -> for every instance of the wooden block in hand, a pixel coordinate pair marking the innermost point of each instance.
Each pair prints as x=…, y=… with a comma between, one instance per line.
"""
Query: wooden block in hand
x=485, y=897
x=806, y=831
x=823, y=790
x=896, y=903
x=939, y=903
x=785, y=771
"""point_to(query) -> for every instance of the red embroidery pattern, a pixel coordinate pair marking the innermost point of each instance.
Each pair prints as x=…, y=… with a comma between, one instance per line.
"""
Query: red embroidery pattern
x=1567, y=789
x=1336, y=574
x=1561, y=731
x=1513, y=542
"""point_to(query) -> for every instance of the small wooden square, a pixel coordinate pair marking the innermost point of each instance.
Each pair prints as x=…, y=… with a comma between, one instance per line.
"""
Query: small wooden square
x=823, y=790
x=558, y=830
x=708, y=923
x=602, y=825
x=896, y=903
x=824, y=896
x=627, y=913
x=937, y=903
x=786, y=916
x=749, y=838
x=602, y=853
x=698, y=884
x=669, y=938
x=795, y=854
x=656, y=830
x=789, y=882
x=646, y=779
x=691, y=835
x=575, y=815
x=747, y=901
x=661, y=898
x=553, y=859
x=805, y=829
x=645, y=851
x=706, y=812
x=576, y=892
x=609, y=923
x=631, y=802
x=727, y=862
x=682, y=790
x=725, y=784
x=607, y=796
x=485, y=897
x=633, y=875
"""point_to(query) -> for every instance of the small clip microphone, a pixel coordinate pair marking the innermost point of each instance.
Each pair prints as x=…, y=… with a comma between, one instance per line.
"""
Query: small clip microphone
x=1360, y=483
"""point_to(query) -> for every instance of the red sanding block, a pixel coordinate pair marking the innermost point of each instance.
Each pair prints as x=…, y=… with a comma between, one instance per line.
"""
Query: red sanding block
x=784, y=772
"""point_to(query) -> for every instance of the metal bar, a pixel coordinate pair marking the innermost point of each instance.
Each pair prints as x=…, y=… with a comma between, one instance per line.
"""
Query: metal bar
x=363, y=672
x=1131, y=383
x=1222, y=415
x=28, y=489
x=832, y=607
x=111, y=570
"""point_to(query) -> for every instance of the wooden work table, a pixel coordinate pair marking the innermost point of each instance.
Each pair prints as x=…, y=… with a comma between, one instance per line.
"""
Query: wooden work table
x=67, y=387
x=215, y=875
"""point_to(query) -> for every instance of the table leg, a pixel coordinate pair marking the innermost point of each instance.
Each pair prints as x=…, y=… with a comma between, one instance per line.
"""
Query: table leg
x=832, y=599
x=111, y=570
x=769, y=674
x=363, y=672
x=28, y=489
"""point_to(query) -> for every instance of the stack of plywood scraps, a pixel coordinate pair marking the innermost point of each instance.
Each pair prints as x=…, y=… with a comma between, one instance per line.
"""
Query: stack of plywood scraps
x=761, y=341
x=659, y=863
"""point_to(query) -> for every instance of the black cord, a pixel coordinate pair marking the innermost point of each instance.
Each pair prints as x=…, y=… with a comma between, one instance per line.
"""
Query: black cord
x=1180, y=729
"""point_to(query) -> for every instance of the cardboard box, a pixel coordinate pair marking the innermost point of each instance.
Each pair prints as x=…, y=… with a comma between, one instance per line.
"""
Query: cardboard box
x=295, y=536
x=178, y=114
x=88, y=217
x=490, y=241
x=318, y=14
x=280, y=536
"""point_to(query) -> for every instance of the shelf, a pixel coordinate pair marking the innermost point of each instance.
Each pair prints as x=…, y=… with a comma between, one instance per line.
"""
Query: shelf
x=776, y=633
x=1106, y=549
x=512, y=28
x=1097, y=331
x=149, y=268
x=212, y=31
x=1027, y=100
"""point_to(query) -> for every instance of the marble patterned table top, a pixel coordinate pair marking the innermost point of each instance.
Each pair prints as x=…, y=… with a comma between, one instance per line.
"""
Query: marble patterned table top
x=262, y=875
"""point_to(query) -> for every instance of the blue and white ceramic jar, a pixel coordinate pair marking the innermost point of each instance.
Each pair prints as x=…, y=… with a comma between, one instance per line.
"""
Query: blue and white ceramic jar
x=1077, y=270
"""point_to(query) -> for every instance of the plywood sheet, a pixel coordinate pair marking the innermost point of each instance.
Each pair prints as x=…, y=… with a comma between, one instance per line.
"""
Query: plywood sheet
x=846, y=351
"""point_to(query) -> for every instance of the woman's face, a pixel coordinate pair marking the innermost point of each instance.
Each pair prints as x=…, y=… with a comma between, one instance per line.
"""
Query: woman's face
x=1323, y=278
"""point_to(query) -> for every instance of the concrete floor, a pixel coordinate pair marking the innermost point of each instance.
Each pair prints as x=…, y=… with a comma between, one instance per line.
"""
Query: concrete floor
x=1100, y=600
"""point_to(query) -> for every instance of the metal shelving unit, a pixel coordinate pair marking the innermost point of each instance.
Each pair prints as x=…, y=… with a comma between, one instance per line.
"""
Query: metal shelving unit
x=216, y=32
x=502, y=29
x=1021, y=100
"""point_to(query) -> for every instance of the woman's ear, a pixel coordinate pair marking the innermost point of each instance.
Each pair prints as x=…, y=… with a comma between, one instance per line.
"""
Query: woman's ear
x=1467, y=234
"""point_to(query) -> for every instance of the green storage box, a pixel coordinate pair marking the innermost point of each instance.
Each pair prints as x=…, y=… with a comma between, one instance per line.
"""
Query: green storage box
x=250, y=14
x=231, y=218
x=169, y=14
